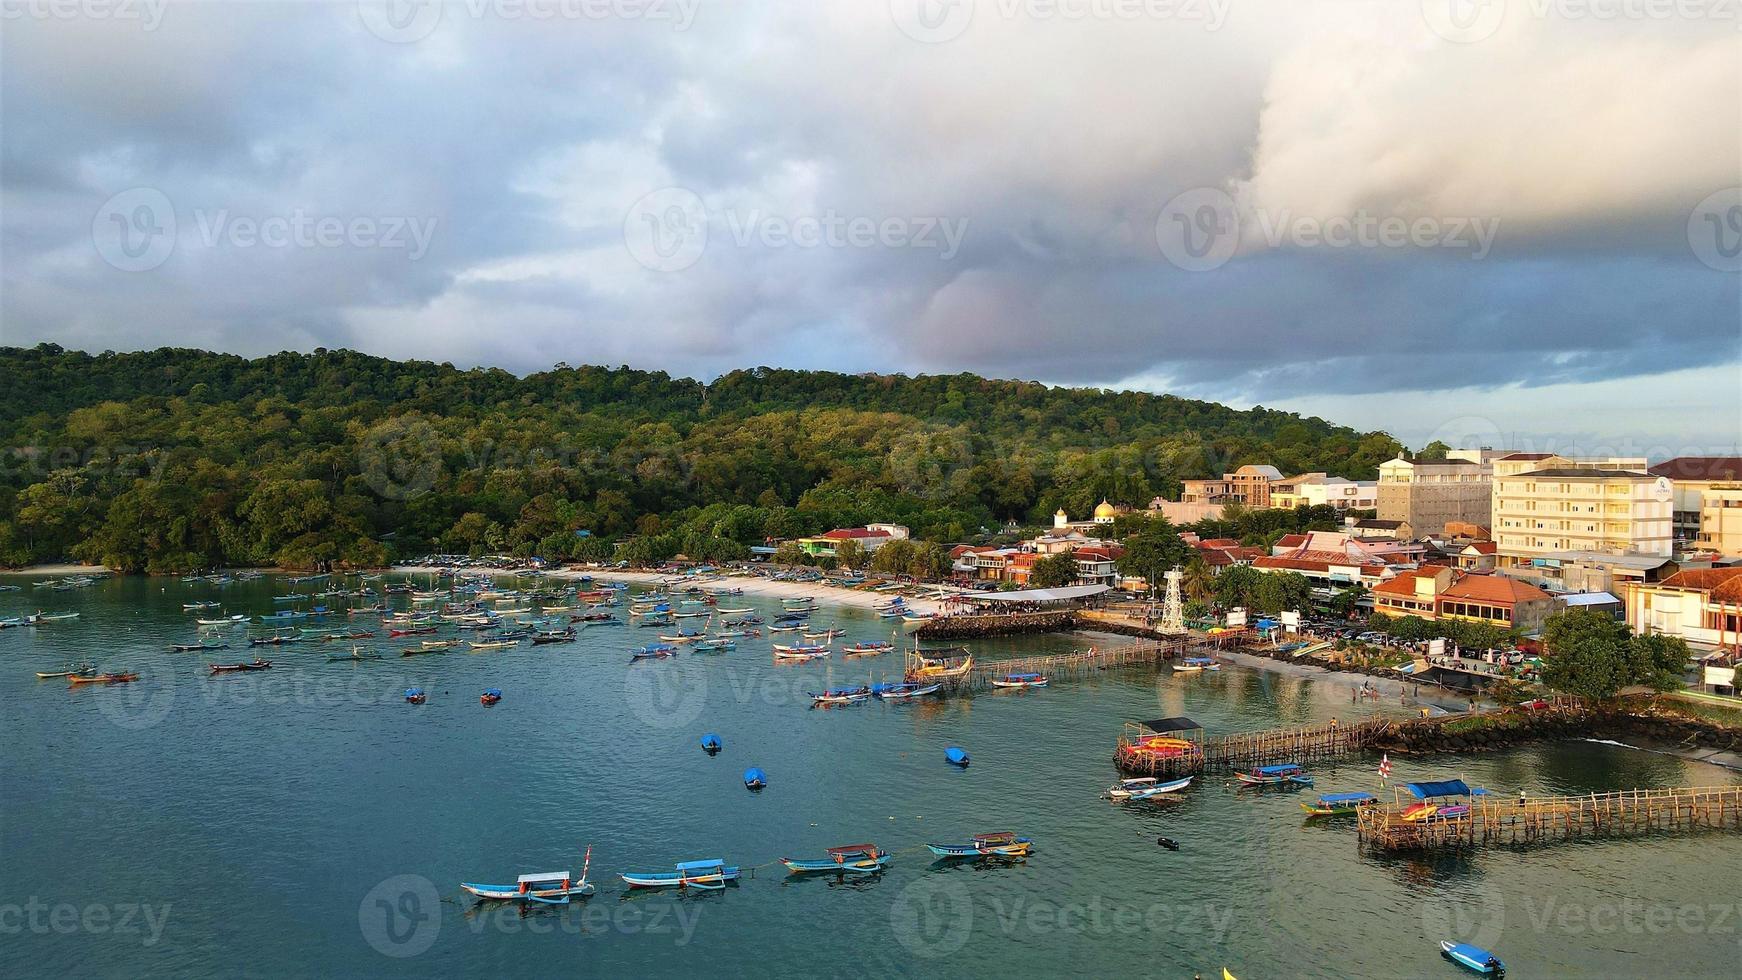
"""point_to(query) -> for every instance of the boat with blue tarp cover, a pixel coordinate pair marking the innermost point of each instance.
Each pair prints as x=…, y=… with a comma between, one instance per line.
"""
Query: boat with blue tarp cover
x=710, y=874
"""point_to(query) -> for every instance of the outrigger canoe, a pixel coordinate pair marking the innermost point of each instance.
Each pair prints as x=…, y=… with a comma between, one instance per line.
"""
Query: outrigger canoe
x=548, y=888
x=843, y=696
x=1472, y=958
x=1146, y=788
x=904, y=691
x=101, y=678
x=850, y=859
x=1336, y=804
x=1020, y=680
x=258, y=664
x=1001, y=844
x=1286, y=773
x=711, y=874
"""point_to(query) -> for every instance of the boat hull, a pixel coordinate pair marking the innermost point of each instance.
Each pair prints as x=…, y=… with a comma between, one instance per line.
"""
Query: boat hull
x=826, y=866
x=1021, y=848
x=671, y=879
x=512, y=893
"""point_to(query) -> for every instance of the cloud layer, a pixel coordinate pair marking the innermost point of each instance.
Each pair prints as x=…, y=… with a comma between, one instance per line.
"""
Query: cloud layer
x=1262, y=202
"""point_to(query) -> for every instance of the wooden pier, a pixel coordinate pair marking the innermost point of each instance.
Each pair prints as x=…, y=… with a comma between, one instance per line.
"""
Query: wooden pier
x=1244, y=750
x=1076, y=665
x=1492, y=821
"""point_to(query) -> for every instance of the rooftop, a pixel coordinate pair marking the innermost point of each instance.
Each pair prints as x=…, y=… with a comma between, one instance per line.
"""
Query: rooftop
x=1725, y=584
x=1700, y=468
x=1571, y=473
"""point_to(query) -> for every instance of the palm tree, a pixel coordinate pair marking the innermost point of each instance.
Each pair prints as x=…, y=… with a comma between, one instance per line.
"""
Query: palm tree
x=1198, y=581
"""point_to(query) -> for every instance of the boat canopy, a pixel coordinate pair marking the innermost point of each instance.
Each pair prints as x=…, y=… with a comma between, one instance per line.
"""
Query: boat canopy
x=494, y=692
x=413, y=690
x=708, y=865
x=1345, y=797
x=1022, y=677
x=548, y=876
x=1286, y=767
x=1449, y=787
x=1176, y=724
x=1000, y=837
x=1198, y=660
x=851, y=849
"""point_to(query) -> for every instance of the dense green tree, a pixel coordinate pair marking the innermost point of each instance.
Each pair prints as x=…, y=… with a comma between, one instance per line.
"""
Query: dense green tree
x=1590, y=654
x=1151, y=554
x=1053, y=571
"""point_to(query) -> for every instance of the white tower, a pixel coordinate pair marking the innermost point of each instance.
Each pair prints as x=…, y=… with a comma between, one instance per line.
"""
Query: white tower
x=1173, y=614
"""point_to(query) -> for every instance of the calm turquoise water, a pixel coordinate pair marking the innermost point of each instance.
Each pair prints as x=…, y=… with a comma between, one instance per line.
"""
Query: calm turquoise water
x=305, y=821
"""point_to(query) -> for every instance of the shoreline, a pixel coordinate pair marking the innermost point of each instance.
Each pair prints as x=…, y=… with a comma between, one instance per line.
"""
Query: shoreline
x=754, y=585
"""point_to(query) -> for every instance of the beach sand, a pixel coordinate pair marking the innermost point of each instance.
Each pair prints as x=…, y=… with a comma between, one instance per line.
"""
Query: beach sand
x=753, y=585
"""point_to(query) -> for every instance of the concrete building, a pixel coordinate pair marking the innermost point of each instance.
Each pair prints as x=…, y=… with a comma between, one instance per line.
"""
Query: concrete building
x=1721, y=520
x=1692, y=476
x=1320, y=490
x=1440, y=593
x=1249, y=485
x=1427, y=494
x=1701, y=605
x=1541, y=516
x=869, y=538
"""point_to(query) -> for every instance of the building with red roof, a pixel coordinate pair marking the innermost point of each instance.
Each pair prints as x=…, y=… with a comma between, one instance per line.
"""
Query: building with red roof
x=1701, y=605
x=1438, y=592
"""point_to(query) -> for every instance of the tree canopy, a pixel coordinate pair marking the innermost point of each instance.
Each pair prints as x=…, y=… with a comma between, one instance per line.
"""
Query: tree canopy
x=1590, y=654
x=176, y=460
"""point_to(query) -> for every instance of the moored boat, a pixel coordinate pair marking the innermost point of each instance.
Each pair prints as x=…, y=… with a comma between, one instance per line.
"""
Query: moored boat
x=415, y=695
x=868, y=649
x=1472, y=958
x=1146, y=788
x=800, y=651
x=1288, y=773
x=191, y=647
x=653, y=651
x=1336, y=804
x=73, y=670
x=904, y=690
x=115, y=678
x=1000, y=844
x=710, y=874
x=490, y=697
x=258, y=664
x=844, y=860
x=843, y=696
x=546, y=888
x=1020, y=680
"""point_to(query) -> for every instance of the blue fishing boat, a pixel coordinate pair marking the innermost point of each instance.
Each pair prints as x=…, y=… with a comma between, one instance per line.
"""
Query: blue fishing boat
x=1473, y=958
x=956, y=756
x=1001, y=844
x=849, y=695
x=710, y=743
x=1145, y=788
x=711, y=874
x=903, y=690
x=653, y=651
x=546, y=888
x=1020, y=680
x=755, y=778
x=849, y=859
x=1287, y=773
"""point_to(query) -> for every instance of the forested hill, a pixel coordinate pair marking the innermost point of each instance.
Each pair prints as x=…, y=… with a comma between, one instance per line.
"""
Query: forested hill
x=177, y=459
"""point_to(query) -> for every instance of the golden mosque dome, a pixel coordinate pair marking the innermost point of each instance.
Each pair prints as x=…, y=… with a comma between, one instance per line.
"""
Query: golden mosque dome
x=1104, y=509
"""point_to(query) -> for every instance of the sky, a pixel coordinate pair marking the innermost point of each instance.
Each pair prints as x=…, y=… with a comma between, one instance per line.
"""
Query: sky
x=1515, y=220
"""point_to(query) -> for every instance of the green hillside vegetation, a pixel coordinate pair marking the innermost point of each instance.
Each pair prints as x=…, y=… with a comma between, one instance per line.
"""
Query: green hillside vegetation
x=179, y=460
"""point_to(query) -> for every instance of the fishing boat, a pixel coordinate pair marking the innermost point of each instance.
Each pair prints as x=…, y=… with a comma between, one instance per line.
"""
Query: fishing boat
x=117, y=678
x=1339, y=804
x=350, y=636
x=497, y=645
x=1287, y=773
x=828, y=634
x=1195, y=665
x=273, y=641
x=548, y=888
x=755, y=779
x=711, y=743
x=231, y=621
x=258, y=664
x=871, y=649
x=439, y=644
x=923, y=668
x=734, y=612
x=784, y=627
x=75, y=670
x=850, y=695
x=715, y=645
x=803, y=653
x=918, y=617
x=1145, y=788
x=1472, y=958
x=419, y=652
x=490, y=697
x=1020, y=680
x=55, y=617
x=191, y=647
x=844, y=860
x=355, y=654
x=1001, y=844
x=553, y=636
x=596, y=618
x=904, y=690
x=411, y=630
x=192, y=606
x=682, y=636
x=653, y=651
x=740, y=634
x=956, y=756
x=711, y=874
x=415, y=695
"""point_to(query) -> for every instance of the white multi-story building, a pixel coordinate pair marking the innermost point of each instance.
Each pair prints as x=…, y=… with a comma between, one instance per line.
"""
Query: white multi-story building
x=1542, y=515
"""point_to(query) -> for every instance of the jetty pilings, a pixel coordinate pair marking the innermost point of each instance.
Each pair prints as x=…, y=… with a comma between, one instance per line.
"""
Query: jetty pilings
x=1492, y=821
